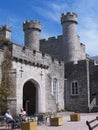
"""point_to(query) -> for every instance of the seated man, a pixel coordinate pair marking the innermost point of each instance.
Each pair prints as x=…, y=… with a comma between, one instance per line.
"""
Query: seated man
x=9, y=118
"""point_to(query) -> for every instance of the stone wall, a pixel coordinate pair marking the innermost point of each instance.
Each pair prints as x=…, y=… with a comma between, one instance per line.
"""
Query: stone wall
x=33, y=64
x=56, y=70
x=93, y=80
x=52, y=46
x=66, y=47
x=76, y=72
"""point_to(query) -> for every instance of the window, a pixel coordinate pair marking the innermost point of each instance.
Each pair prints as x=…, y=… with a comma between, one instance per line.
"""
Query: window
x=54, y=88
x=74, y=88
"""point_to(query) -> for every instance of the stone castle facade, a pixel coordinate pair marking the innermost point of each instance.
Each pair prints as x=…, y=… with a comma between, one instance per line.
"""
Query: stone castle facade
x=54, y=74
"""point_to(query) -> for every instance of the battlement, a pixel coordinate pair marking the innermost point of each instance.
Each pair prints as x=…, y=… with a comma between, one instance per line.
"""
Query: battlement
x=32, y=24
x=51, y=39
x=69, y=17
x=5, y=28
x=82, y=44
x=29, y=56
x=5, y=31
x=79, y=63
x=71, y=14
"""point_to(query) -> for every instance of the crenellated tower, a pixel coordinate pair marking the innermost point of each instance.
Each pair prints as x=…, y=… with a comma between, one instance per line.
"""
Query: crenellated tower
x=32, y=31
x=5, y=32
x=70, y=39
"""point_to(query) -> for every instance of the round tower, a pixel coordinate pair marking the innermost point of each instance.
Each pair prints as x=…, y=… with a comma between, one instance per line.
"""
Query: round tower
x=32, y=31
x=70, y=40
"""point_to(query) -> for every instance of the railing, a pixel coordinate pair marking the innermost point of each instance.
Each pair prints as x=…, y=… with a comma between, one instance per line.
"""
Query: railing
x=92, y=104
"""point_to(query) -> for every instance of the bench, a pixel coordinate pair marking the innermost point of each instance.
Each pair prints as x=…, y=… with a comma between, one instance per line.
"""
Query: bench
x=92, y=124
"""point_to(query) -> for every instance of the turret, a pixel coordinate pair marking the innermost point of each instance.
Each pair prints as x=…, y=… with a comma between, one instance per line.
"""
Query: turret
x=70, y=40
x=5, y=32
x=32, y=31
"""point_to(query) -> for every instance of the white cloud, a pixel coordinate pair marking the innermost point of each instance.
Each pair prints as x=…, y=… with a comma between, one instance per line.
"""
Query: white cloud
x=88, y=27
x=89, y=35
x=58, y=7
x=87, y=12
x=49, y=12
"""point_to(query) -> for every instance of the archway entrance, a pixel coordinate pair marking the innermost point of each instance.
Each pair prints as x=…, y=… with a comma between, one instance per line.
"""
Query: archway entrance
x=29, y=98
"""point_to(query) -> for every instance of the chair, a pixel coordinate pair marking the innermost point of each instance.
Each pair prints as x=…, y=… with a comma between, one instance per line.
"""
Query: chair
x=41, y=119
x=13, y=123
x=9, y=123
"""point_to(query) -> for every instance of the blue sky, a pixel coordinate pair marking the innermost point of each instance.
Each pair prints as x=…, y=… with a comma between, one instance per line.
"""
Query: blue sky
x=48, y=12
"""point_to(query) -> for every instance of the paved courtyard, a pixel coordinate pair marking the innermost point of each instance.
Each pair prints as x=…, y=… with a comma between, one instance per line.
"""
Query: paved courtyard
x=67, y=124
x=72, y=125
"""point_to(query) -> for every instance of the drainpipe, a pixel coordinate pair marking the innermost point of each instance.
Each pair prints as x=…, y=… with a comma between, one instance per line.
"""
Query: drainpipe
x=88, y=81
x=65, y=93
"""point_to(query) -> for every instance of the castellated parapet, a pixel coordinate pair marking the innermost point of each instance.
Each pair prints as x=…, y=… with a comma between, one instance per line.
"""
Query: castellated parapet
x=67, y=46
x=33, y=57
x=69, y=17
x=5, y=31
x=32, y=24
x=52, y=46
x=2, y=28
x=51, y=40
x=32, y=31
x=72, y=50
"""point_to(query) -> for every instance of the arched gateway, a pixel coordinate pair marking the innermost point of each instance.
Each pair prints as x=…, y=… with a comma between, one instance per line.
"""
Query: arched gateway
x=30, y=97
x=34, y=67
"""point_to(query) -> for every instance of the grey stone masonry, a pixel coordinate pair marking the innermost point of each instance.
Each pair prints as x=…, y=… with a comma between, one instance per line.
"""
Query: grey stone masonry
x=5, y=31
x=51, y=74
x=93, y=68
x=52, y=46
x=32, y=34
x=77, y=73
x=66, y=47
x=71, y=46
x=42, y=69
x=69, y=17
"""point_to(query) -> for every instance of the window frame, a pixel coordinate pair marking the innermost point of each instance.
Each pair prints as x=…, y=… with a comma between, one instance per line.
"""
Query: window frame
x=74, y=88
x=54, y=92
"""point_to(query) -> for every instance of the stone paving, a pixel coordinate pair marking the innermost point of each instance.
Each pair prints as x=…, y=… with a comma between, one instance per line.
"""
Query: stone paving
x=67, y=124
x=72, y=125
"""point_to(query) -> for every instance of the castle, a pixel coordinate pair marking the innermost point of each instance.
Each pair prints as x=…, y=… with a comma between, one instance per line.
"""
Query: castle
x=54, y=74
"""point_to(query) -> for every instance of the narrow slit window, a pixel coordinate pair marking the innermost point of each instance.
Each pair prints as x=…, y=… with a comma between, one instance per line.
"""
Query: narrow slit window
x=74, y=88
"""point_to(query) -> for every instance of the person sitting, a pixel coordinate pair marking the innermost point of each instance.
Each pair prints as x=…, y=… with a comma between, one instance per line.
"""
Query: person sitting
x=23, y=114
x=9, y=117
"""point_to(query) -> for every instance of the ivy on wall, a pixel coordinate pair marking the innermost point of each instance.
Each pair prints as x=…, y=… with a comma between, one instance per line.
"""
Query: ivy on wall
x=6, y=80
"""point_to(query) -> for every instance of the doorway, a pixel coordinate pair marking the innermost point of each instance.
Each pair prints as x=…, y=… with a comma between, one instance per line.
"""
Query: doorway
x=30, y=98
